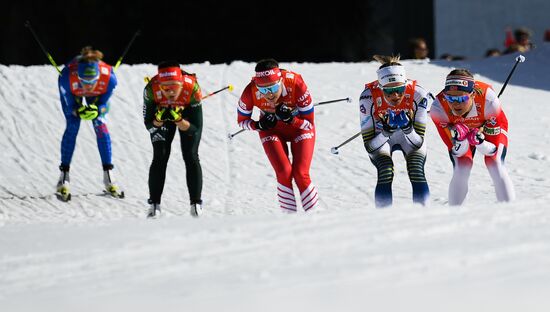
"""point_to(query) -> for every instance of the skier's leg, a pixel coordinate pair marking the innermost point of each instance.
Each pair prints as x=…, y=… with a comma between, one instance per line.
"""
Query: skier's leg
x=302, y=146
x=504, y=188
x=103, y=140
x=68, y=141
x=277, y=153
x=190, y=152
x=415, y=168
x=458, y=187
x=384, y=166
x=162, y=141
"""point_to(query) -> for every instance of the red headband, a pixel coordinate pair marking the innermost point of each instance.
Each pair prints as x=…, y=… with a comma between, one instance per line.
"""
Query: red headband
x=267, y=76
x=170, y=74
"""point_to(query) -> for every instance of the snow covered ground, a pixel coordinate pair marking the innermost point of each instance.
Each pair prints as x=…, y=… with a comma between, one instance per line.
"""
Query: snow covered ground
x=100, y=254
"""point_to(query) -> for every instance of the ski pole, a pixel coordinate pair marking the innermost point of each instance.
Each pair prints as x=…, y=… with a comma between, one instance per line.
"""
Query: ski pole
x=230, y=87
x=332, y=101
x=137, y=33
x=334, y=150
x=48, y=55
x=519, y=59
x=231, y=135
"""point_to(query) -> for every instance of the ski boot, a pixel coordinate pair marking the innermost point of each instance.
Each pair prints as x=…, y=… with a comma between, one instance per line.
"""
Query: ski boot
x=63, y=192
x=154, y=210
x=110, y=187
x=196, y=209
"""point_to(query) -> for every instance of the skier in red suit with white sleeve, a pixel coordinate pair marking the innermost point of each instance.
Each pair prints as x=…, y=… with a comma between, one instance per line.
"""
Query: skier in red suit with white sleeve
x=286, y=116
x=469, y=118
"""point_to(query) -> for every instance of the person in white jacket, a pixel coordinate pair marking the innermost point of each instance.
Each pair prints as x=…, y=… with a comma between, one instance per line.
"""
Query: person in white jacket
x=394, y=112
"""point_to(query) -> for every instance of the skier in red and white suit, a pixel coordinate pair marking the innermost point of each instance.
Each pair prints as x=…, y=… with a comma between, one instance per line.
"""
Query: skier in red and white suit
x=469, y=118
x=286, y=116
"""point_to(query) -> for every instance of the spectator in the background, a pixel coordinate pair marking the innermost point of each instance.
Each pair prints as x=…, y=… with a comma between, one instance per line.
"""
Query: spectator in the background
x=450, y=57
x=418, y=49
x=492, y=53
x=522, y=37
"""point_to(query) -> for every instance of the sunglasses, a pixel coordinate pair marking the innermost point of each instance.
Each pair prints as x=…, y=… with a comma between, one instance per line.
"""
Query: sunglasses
x=456, y=98
x=392, y=90
x=173, y=86
x=88, y=82
x=269, y=89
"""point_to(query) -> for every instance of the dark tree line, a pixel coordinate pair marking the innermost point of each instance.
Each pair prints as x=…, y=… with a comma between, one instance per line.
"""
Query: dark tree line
x=214, y=31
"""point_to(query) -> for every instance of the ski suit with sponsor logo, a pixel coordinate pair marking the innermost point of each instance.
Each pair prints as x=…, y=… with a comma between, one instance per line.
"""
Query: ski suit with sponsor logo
x=486, y=114
x=162, y=137
x=380, y=146
x=72, y=97
x=300, y=133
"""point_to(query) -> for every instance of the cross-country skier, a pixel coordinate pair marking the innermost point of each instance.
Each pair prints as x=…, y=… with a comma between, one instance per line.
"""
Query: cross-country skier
x=172, y=100
x=286, y=116
x=85, y=86
x=469, y=118
x=393, y=111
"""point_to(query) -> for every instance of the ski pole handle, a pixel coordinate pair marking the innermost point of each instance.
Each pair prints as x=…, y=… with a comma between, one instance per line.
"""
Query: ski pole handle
x=334, y=150
x=229, y=87
x=519, y=59
x=332, y=101
x=48, y=55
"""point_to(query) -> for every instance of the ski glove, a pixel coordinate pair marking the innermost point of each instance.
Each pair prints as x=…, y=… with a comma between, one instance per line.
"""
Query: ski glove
x=268, y=121
x=403, y=121
x=459, y=131
x=475, y=136
x=284, y=113
x=388, y=123
x=89, y=112
x=170, y=114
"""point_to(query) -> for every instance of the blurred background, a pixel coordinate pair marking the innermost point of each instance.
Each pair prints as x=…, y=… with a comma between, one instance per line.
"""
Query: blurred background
x=224, y=31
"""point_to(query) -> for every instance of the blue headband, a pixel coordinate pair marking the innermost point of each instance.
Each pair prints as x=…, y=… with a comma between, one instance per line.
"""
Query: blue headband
x=459, y=83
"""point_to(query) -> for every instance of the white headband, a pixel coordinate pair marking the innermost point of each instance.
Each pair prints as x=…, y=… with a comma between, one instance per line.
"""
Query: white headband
x=389, y=74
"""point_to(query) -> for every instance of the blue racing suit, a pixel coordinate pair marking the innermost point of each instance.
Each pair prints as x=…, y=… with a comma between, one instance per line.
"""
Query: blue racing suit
x=69, y=104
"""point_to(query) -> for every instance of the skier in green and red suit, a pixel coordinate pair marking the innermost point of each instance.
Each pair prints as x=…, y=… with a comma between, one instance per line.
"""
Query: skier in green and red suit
x=172, y=100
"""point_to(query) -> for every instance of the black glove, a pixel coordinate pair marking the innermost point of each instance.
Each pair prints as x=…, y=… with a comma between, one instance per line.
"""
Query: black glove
x=284, y=113
x=388, y=124
x=268, y=121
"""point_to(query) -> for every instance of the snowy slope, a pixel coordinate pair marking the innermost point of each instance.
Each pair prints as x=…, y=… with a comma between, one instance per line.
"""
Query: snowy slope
x=100, y=253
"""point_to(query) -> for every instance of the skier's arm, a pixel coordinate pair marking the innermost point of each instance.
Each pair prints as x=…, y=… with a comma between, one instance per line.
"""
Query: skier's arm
x=422, y=101
x=102, y=100
x=192, y=114
x=149, y=109
x=372, y=140
x=441, y=122
x=495, y=128
x=305, y=119
x=244, y=110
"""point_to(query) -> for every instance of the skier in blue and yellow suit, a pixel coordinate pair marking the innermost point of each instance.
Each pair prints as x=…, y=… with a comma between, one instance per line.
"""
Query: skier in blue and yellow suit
x=85, y=86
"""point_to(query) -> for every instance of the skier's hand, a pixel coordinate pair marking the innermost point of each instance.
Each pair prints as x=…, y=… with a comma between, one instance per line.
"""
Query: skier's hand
x=161, y=114
x=89, y=112
x=475, y=136
x=284, y=113
x=388, y=123
x=459, y=131
x=268, y=121
x=403, y=121
x=175, y=114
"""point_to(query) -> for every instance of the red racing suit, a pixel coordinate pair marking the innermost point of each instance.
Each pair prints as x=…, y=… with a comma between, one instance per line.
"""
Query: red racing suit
x=300, y=133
